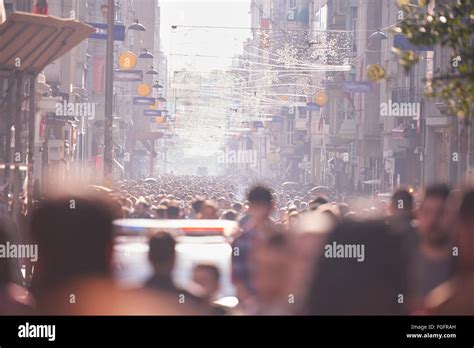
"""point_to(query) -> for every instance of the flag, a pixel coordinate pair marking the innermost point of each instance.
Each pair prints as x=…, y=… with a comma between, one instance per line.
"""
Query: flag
x=348, y=95
x=99, y=76
x=41, y=7
x=321, y=121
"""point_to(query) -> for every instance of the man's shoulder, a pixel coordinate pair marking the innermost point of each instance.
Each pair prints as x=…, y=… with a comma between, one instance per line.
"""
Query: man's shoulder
x=244, y=220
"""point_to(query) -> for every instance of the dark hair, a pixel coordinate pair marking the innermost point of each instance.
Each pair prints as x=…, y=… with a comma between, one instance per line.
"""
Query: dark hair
x=213, y=269
x=317, y=202
x=237, y=206
x=466, y=210
x=344, y=286
x=260, y=194
x=197, y=205
x=74, y=235
x=404, y=196
x=161, y=211
x=437, y=190
x=173, y=211
x=229, y=215
x=162, y=246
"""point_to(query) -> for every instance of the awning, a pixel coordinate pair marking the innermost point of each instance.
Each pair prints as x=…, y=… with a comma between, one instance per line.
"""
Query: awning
x=403, y=130
x=37, y=40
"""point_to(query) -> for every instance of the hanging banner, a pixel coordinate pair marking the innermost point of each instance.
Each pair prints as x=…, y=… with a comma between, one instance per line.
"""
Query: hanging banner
x=356, y=86
x=101, y=32
x=143, y=101
x=128, y=75
x=152, y=112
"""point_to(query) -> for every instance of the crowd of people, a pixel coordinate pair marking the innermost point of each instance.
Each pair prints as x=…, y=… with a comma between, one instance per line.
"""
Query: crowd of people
x=297, y=251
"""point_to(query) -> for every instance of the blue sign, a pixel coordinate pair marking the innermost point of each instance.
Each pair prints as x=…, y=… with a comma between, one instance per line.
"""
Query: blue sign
x=356, y=86
x=143, y=101
x=128, y=75
x=277, y=119
x=101, y=32
x=312, y=106
x=152, y=112
x=401, y=41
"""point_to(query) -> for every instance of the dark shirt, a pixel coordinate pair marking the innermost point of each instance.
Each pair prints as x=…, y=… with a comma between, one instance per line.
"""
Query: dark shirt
x=431, y=273
x=241, y=265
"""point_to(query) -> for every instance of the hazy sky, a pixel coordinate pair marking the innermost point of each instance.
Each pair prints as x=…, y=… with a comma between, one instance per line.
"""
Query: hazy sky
x=189, y=42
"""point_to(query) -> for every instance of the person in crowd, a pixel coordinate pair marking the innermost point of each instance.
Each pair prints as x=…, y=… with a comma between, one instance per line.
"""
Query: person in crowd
x=14, y=298
x=174, y=211
x=366, y=279
x=74, y=271
x=454, y=297
x=303, y=206
x=271, y=277
x=237, y=206
x=222, y=203
x=229, y=215
x=197, y=207
x=162, y=257
x=318, y=201
x=256, y=226
x=209, y=210
x=161, y=212
x=433, y=262
x=142, y=209
x=208, y=277
x=401, y=212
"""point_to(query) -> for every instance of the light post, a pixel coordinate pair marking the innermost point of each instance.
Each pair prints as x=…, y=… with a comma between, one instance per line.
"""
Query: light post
x=109, y=86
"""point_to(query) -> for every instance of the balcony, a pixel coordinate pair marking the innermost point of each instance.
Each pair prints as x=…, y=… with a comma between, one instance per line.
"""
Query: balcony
x=406, y=95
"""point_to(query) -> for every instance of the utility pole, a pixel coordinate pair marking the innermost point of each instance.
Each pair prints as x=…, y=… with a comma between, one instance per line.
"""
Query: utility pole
x=109, y=93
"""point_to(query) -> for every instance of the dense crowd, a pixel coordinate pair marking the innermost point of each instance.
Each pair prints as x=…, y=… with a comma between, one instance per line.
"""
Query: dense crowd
x=298, y=251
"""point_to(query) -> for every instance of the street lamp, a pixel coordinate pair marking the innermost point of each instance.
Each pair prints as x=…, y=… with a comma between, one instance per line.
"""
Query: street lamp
x=161, y=99
x=379, y=34
x=157, y=85
x=151, y=71
x=136, y=26
x=146, y=54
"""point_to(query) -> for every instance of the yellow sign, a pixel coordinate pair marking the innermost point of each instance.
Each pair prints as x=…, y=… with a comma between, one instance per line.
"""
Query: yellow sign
x=321, y=98
x=375, y=72
x=143, y=90
x=127, y=60
x=155, y=106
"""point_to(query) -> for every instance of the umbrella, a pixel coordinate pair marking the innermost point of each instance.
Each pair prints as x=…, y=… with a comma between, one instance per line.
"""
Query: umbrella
x=288, y=183
x=320, y=189
x=150, y=180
